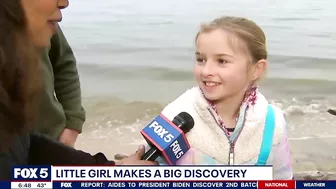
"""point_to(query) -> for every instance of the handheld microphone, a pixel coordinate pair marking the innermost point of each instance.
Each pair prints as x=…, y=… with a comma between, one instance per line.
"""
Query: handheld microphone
x=168, y=138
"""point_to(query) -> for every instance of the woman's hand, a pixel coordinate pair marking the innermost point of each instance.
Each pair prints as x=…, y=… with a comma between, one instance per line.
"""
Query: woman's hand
x=135, y=159
x=120, y=156
x=69, y=137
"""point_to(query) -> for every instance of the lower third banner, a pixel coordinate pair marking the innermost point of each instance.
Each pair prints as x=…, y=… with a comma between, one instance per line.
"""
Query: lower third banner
x=290, y=184
x=155, y=184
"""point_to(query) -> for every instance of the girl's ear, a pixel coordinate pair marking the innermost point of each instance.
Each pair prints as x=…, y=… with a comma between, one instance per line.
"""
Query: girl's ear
x=259, y=69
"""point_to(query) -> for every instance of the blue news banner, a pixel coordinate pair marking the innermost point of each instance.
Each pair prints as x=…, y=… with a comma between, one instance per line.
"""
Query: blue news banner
x=26, y=177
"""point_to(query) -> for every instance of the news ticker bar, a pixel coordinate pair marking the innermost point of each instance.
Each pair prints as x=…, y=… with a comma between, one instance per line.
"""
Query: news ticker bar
x=290, y=184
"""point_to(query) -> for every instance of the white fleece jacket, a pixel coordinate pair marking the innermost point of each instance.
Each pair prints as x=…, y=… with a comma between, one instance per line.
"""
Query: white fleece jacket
x=209, y=145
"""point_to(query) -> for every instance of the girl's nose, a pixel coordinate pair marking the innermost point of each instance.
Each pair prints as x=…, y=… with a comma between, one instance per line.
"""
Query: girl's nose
x=209, y=69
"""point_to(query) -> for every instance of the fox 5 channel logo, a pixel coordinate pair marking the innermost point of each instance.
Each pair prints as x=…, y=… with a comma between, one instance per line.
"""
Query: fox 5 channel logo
x=167, y=137
x=31, y=173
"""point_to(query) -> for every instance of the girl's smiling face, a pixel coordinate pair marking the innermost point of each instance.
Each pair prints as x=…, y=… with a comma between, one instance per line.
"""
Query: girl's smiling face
x=221, y=70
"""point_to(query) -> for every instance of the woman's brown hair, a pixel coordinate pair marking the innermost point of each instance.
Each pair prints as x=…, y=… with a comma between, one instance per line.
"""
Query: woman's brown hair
x=19, y=73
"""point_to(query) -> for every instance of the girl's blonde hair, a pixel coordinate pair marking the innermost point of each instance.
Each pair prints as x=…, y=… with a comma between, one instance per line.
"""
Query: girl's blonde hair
x=245, y=30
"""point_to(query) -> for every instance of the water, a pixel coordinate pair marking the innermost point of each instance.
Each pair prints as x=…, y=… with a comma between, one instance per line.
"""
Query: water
x=129, y=52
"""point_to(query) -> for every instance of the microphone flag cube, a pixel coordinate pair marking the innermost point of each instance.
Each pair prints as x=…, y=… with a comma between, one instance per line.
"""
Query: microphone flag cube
x=167, y=138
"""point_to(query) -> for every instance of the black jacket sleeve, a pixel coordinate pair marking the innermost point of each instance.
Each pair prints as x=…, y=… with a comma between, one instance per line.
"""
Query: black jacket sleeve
x=46, y=151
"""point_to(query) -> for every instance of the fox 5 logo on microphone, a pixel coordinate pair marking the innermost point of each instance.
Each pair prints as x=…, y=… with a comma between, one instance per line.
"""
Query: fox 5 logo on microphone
x=167, y=138
x=31, y=173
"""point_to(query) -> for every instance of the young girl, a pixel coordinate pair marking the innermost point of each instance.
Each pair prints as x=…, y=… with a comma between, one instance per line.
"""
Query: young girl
x=228, y=110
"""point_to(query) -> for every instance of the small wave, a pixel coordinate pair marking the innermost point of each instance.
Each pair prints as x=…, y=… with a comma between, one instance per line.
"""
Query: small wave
x=276, y=26
x=321, y=35
x=296, y=107
x=137, y=72
x=174, y=74
x=304, y=60
x=159, y=23
x=113, y=111
x=312, y=137
x=294, y=19
x=108, y=47
x=315, y=175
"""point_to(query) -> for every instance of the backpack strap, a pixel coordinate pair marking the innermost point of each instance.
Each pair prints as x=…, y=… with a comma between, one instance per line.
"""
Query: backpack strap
x=267, y=141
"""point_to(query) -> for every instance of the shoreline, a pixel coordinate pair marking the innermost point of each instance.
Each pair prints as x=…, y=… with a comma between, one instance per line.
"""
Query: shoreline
x=317, y=175
x=110, y=131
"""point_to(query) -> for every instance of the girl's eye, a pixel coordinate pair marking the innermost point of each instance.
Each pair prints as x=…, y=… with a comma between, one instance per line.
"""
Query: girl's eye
x=200, y=60
x=221, y=61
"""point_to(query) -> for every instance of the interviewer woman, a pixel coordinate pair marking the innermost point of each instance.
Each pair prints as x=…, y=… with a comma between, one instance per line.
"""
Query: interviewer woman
x=26, y=27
